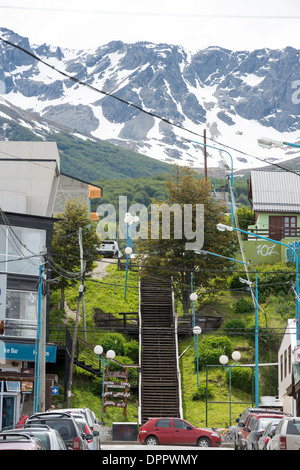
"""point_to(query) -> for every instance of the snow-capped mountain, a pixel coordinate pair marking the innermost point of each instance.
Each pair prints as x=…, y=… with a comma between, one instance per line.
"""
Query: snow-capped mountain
x=237, y=97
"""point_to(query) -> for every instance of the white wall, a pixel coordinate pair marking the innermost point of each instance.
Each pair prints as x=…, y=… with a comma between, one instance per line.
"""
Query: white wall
x=29, y=175
x=285, y=366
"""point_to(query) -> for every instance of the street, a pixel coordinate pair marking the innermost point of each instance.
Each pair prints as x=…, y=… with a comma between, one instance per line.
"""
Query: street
x=134, y=447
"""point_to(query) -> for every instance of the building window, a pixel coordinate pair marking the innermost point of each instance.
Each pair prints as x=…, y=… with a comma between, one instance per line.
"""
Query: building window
x=21, y=314
x=20, y=248
x=285, y=363
x=281, y=367
x=290, y=226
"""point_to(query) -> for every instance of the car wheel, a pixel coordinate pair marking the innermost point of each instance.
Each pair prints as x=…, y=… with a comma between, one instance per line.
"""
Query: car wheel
x=152, y=441
x=203, y=442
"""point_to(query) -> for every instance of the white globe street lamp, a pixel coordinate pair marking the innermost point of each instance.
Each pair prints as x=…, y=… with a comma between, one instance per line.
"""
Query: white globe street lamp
x=98, y=350
x=197, y=331
x=128, y=250
x=129, y=220
x=236, y=356
x=110, y=354
x=223, y=360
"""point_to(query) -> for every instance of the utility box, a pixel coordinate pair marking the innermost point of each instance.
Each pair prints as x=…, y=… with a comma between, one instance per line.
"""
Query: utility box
x=125, y=431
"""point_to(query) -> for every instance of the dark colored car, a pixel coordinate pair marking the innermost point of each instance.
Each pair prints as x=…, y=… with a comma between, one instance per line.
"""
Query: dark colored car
x=20, y=441
x=176, y=431
x=257, y=430
x=67, y=427
x=91, y=420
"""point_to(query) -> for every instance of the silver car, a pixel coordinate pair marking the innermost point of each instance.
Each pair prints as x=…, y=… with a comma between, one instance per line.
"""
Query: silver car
x=286, y=435
x=81, y=420
x=51, y=439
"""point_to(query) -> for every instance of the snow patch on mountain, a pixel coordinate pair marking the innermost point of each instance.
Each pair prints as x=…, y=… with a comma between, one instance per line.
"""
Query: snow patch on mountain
x=237, y=97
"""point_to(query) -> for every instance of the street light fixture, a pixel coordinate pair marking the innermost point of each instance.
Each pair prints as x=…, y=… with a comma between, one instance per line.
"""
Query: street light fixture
x=236, y=356
x=98, y=350
x=129, y=220
x=203, y=252
x=197, y=331
x=268, y=143
x=223, y=227
x=193, y=298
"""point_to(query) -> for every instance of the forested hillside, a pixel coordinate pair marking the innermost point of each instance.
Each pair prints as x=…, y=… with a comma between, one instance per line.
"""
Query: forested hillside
x=144, y=190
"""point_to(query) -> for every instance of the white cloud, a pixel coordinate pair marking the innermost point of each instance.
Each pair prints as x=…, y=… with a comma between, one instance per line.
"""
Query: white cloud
x=192, y=24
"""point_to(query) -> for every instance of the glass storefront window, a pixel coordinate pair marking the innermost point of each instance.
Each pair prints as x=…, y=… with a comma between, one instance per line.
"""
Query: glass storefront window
x=21, y=314
x=20, y=248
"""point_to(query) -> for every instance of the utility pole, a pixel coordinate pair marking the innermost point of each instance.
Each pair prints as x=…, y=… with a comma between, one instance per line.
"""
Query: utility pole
x=82, y=276
x=40, y=357
x=42, y=398
x=80, y=295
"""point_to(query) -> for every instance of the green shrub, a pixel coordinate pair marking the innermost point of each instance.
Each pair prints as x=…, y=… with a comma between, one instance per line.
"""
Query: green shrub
x=211, y=348
x=241, y=378
x=273, y=279
x=235, y=326
x=201, y=391
x=114, y=341
x=244, y=305
x=131, y=350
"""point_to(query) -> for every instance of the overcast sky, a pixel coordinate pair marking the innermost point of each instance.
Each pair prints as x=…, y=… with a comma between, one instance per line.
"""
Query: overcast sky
x=193, y=24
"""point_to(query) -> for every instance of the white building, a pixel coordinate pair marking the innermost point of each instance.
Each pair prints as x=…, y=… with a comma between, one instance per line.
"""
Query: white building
x=29, y=177
x=288, y=374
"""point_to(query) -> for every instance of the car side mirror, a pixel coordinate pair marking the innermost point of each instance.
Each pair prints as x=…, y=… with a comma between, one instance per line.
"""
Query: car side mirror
x=96, y=433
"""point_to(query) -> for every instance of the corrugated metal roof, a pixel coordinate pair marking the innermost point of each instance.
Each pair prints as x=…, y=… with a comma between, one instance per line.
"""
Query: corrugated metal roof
x=275, y=191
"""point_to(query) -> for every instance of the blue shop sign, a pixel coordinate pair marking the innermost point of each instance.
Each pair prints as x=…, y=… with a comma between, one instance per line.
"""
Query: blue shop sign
x=25, y=351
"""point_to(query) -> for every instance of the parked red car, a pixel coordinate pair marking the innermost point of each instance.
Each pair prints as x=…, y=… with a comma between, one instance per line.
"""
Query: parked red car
x=175, y=431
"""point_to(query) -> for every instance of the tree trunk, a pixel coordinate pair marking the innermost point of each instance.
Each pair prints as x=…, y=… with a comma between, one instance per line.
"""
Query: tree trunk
x=185, y=300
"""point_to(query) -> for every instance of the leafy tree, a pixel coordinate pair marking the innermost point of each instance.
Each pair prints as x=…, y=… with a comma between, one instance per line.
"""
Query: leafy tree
x=169, y=257
x=245, y=217
x=65, y=256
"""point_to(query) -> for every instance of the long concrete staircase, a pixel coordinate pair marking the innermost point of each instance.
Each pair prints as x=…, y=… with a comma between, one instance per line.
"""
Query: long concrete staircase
x=160, y=388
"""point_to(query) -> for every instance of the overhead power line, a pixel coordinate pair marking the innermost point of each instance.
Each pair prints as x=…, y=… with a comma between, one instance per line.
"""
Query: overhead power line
x=139, y=108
